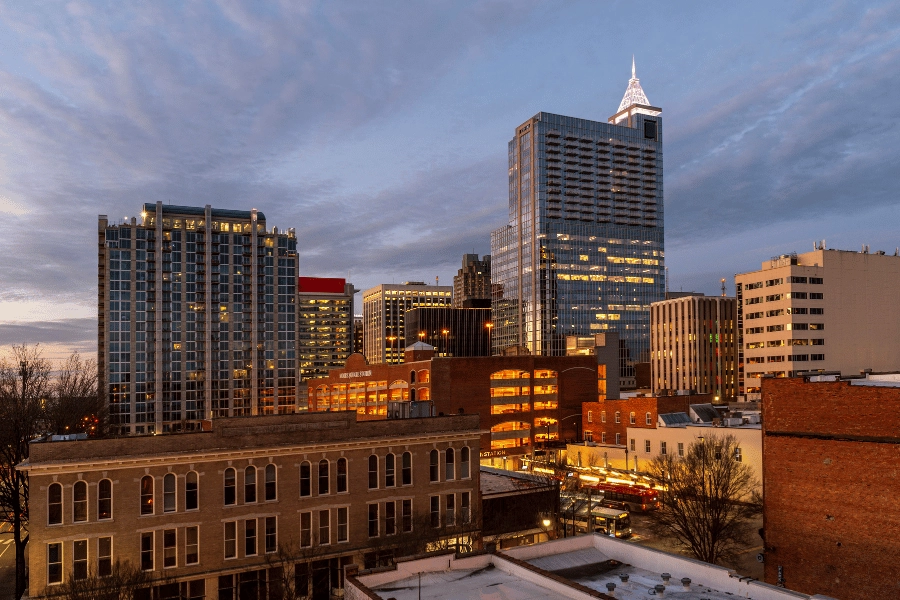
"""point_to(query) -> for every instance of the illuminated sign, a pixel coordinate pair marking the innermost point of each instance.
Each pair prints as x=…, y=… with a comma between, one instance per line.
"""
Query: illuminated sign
x=355, y=374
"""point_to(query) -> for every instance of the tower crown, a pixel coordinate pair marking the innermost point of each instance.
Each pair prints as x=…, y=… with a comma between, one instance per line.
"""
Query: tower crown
x=634, y=94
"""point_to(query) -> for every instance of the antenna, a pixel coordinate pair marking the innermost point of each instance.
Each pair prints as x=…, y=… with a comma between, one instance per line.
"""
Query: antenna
x=723, y=287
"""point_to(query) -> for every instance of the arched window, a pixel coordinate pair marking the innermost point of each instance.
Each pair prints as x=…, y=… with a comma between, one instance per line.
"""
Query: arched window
x=54, y=504
x=104, y=499
x=412, y=394
x=424, y=394
x=450, y=466
x=407, y=468
x=79, y=502
x=271, y=482
x=169, y=492
x=434, y=469
x=412, y=376
x=146, y=495
x=424, y=376
x=250, y=484
x=389, y=466
x=191, y=491
x=464, y=472
x=323, y=477
x=341, y=475
x=373, y=472
x=230, y=486
x=305, y=479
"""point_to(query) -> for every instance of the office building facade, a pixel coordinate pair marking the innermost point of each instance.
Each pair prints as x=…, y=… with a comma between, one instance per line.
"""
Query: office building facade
x=452, y=331
x=694, y=346
x=825, y=310
x=324, y=325
x=196, y=312
x=472, y=283
x=582, y=252
x=384, y=316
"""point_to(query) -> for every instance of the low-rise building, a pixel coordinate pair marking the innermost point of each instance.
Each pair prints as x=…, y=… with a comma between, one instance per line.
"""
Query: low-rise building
x=831, y=450
x=217, y=513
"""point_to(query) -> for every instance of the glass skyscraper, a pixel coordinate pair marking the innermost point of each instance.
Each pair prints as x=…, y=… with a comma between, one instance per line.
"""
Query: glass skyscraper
x=582, y=252
x=197, y=317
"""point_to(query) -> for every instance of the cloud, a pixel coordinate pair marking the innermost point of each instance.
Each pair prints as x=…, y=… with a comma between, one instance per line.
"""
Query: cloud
x=73, y=332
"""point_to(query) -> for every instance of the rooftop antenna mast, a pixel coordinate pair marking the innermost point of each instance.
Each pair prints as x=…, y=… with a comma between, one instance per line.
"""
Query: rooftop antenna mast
x=723, y=287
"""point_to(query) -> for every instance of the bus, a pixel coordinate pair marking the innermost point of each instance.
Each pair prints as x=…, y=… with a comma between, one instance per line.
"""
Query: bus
x=628, y=497
x=606, y=521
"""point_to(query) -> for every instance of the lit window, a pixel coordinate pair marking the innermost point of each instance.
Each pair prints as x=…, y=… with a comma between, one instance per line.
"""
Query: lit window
x=147, y=495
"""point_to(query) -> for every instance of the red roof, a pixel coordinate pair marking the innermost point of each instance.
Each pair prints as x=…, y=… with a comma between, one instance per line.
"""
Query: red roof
x=320, y=285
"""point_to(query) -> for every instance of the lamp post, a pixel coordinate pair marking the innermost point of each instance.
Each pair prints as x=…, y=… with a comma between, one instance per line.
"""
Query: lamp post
x=489, y=326
x=445, y=332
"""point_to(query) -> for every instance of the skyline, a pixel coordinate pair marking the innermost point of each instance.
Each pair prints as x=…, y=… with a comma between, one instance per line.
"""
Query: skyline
x=381, y=136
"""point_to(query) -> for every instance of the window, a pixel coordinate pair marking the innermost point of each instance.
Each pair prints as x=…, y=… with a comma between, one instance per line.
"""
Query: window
x=191, y=545
x=737, y=455
x=632, y=443
x=816, y=357
x=271, y=483
x=306, y=529
x=795, y=279
x=250, y=485
x=465, y=506
x=817, y=326
x=450, y=514
x=797, y=295
x=323, y=477
x=343, y=534
x=631, y=418
x=406, y=515
x=191, y=491
x=54, y=504
x=648, y=419
x=464, y=462
x=79, y=501
x=618, y=417
x=54, y=563
x=250, y=537
x=450, y=465
x=373, y=520
x=147, y=551
x=772, y=282
x=271, y=534
x=618, y=439
x=681, y=449
x=603, y=416
x=646, y=445
x=231, y=539
x=815, y=280
x=373, y=472
x=435, y=511
x=389, y=479
x=146, y=495
x=324, y=527
x=662, y=448
x=589, y=436
x=169, y=493
x=230, y=493
x=79, y=559
x=305, y=486
x=390, y=518
x=817, y=311
x=341, y=475
x=407, y=468
x=433, y=467
x=590, y=416
x=169, y=545
x=104, y=557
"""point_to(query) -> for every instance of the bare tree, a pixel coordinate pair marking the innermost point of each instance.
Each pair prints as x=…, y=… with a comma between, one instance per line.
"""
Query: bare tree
x=75, y=406
x=121, y=583
x=289, y=574
x=24, y=388
x=709, y=498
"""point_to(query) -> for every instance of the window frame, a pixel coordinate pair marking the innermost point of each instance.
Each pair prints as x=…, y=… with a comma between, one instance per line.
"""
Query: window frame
x=188, y=545
x=323, y=475
x=342, y=518
x=306, y=529
x=55, y=565
x=449, y=464
x=373, y=471
x=250, y=483
x=306, y=479
x=148, y=552
x=390, y=470
x=54, y=508
x=324, y=527
x=270, y=534
x=434, y=466
x=406, y=469
x=170, y=494
x=80, y=563
x=465, y=463
x=632, y=418
x=148, y=500
x=618, y=417
x=101, y=500
x=250, y=525
x=79, y=507
x=170, y=535
x=434, y=505
x=342, y=476
x=230, y=541
x=232, y=487
x=104, y=561
x=271, y=484
x=372, y=513
x=189, y=494
x=648, y=419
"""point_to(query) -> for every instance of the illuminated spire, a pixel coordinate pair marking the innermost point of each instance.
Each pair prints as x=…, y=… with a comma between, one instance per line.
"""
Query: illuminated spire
x=634, y=94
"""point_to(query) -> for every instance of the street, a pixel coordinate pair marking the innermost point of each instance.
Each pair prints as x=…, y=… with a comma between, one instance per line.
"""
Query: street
x=747, y=563
x=7, y=563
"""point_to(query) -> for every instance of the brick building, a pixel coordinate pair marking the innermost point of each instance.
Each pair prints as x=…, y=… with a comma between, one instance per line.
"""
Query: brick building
x=607, y=421
x=204, y=513
x=522, y=400
x=831, y=450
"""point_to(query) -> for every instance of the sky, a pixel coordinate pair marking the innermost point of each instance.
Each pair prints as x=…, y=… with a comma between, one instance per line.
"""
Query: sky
x=378, y=129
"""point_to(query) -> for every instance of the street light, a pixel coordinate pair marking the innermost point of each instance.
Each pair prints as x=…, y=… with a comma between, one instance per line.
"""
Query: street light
x=489, y=327
x=444, y=332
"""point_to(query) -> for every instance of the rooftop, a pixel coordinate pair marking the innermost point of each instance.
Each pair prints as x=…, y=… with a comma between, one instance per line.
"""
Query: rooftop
x=579, y=567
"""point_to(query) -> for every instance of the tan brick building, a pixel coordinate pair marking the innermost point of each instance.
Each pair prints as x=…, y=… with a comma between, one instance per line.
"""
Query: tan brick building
x=208, y=511
x=523, y=401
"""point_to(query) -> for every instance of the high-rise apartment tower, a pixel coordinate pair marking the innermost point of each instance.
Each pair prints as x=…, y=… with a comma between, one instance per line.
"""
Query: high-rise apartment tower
x=384, y=316
x=472, y=284
x=196, y=317
x=324, y=324
x=582, y=252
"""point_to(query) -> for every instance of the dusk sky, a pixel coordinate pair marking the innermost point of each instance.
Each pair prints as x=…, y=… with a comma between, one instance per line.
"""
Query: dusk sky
x=379, y=129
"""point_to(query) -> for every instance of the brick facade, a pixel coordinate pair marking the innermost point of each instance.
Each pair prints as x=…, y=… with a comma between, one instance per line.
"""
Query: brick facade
x=830, y=475
x=600, y=417
x=272, y=503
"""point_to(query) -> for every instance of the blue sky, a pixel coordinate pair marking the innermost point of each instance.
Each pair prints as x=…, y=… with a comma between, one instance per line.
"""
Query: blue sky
x=379, y=130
